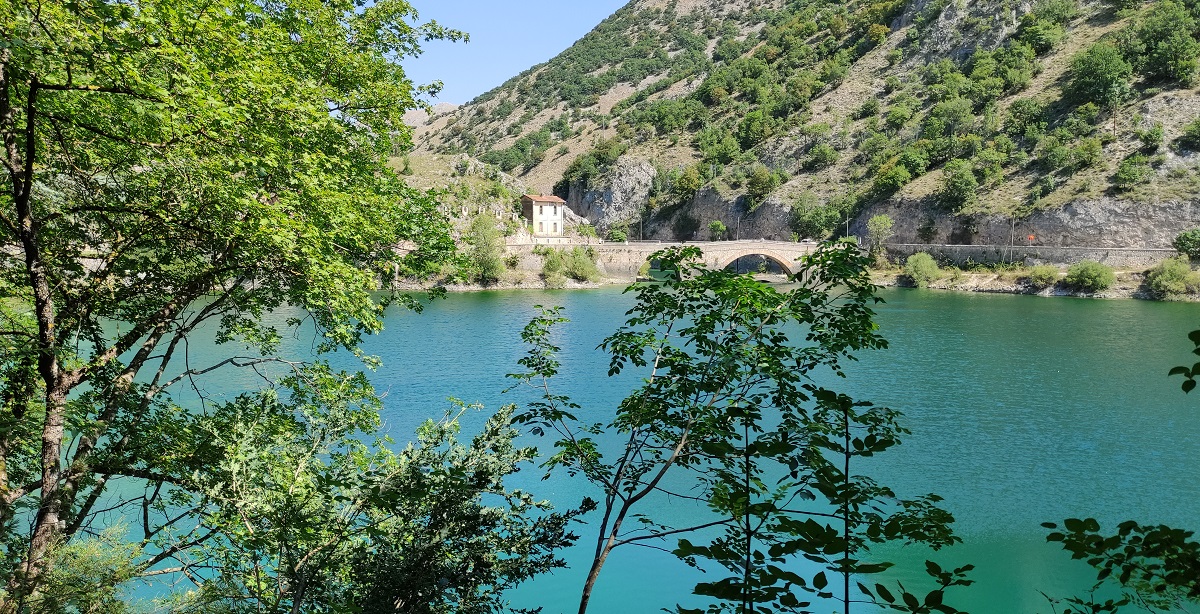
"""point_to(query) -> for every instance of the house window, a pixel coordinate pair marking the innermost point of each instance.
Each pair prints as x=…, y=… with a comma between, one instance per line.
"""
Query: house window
x=554, y=227
x=540, y=210
x=541, y=226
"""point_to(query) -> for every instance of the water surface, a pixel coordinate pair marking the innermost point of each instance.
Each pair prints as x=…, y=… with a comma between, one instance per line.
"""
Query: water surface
x=1023, y=410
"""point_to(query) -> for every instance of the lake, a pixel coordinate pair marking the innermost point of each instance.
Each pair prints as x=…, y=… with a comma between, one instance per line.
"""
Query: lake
x=1023, y=410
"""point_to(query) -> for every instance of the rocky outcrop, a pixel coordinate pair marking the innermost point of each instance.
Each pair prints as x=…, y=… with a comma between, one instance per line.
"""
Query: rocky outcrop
x=1104, y=222
x=616, y=198
x=690, y=221
x=620, y=196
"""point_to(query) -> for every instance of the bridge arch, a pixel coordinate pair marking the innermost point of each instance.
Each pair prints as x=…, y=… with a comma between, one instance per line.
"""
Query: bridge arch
x=726, y=258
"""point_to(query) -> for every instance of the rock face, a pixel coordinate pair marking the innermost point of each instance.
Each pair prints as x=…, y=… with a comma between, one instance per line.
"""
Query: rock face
x=1105, y=222
x=617, y=198
x=689, y=222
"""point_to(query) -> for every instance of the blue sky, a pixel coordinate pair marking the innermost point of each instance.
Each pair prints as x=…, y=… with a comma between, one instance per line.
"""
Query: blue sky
x=506, y=38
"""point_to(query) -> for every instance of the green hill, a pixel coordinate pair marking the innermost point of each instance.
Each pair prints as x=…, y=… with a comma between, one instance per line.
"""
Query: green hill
x=966, y=121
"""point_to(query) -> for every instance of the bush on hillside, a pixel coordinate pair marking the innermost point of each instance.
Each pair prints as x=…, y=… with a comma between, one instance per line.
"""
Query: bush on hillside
x=921, y=269
x=1090, y=276
x=1100, y=75
x=1190, y=139
x=1043, y=276
x=959, y=185
x=1132, y=172
x=821, y=156
x=1171, y=278
x=1188, y=243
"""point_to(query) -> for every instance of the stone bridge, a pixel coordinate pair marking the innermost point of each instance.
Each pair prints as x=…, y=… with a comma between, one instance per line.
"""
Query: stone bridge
x=624, y=259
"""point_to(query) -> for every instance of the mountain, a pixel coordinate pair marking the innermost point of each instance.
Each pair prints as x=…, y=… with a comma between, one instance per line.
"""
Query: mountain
x=966, y=121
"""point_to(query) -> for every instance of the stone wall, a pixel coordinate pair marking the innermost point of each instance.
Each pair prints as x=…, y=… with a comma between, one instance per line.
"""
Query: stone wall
x=1103, y=223
x=1131, y=258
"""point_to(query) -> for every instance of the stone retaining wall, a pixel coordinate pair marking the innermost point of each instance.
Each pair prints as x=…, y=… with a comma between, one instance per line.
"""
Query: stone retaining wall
x=1131, y=258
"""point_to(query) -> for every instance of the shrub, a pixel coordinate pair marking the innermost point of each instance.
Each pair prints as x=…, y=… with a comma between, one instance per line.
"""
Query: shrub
x=486, y=250
x=1132, y=172
x=552, y=268
x=1190, y=139
x=959, y=184
x=1171, y=277
x=879, y=230
x=890, y=181
x=717, y=230
x=580, y=264
x=1188, y=243
x=1043, y=276
x=1100, y=74
x=1090, y=276
x=869, y=108
x=821, y=156
x=618, y=235
x=921, y=269
x=1151, y=138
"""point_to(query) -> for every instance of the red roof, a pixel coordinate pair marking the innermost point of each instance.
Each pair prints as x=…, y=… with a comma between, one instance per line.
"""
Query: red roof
x=545, y=198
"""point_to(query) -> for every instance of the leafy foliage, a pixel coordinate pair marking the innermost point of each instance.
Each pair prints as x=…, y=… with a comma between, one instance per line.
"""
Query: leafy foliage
x=1132, y=172
x=1090, y=276
x=485, y=253
x=184, y=166
x=959, y=186
x=726, y=404
x=1043, y=275
x=921, y=269
x=879, y=230
x=1172, y=278
x=1100, y=74
x=1188, y=243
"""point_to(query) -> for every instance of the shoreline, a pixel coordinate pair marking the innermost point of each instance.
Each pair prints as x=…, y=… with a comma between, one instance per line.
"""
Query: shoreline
x=1129, y=285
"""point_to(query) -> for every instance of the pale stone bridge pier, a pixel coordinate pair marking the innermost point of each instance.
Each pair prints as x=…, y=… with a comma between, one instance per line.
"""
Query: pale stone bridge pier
x=624, y=259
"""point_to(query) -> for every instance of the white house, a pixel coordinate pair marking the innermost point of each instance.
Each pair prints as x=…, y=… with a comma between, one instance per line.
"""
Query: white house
x=545, y=214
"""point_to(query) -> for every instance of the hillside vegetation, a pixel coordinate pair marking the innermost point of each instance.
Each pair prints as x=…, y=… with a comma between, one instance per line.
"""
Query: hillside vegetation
x=825, y=110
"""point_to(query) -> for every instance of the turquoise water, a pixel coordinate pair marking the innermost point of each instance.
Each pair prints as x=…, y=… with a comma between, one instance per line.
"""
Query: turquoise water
x=1023, y=410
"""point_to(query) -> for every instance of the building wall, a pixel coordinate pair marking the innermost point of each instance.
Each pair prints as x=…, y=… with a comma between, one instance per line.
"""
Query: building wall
x=545, y=218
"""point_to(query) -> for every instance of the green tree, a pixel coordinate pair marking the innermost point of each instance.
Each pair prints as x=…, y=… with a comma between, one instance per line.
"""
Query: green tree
x=1090, y=276
x=485, y=251
x=759, y=184
x=173, y=166
x=959, y=185
x=1188, y=243
x=754, y=128
x=726, y=403
x=687, y=184
x=1132, y=172
x=920, y=268
x=1166, y=34
x=821, y=155
x=811, y=218
x=1171, y=278
x=1100, y=74
x=879, y=230
x=717, y=230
